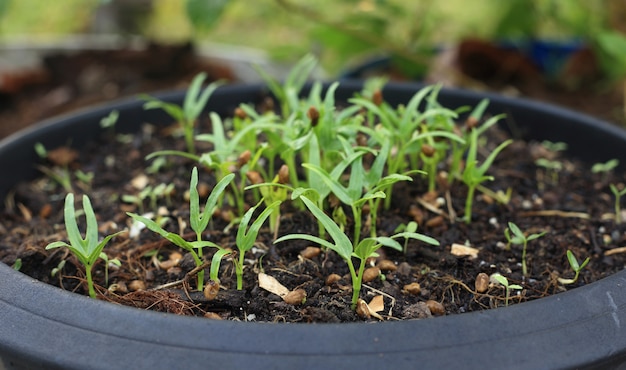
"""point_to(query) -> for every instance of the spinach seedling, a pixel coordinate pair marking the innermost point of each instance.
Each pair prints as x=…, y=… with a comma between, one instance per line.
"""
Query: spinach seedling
x=605, y=168
x=409, y=227
x=195, y=101
x=618, y=196
x=552, y=167
x=198, y=222
x=246, y=236
x=342, y=245
x=576, y=267
x=474, y=175
x=520, y=239
x=507, y=287
x=110, y=120
x=87, y=249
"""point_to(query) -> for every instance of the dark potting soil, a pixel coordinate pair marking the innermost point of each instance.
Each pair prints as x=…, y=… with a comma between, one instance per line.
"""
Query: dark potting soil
x=574, y=208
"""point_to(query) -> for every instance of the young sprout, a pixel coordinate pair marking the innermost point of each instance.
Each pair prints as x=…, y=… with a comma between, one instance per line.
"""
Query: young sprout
x=198, y=222
x=520, y=239
x=246, y=237
x=474, y=175
x=552, y=168
x=87, y=249
x=618, y=195
x=109, y=263
x=554, y=147
x=342, y=245
x=410, y=227
x=109, y=121
x=186, y=116
x=605, y=168
x=576, y=267
x=272, y=192
x=60, y=175
x=507, y=287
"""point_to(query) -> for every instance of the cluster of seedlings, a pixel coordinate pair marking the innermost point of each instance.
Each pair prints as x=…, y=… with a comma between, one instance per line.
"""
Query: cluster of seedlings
x=339, y=164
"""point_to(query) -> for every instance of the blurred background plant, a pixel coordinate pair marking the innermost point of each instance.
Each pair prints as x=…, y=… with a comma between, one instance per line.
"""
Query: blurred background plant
x=425, y=40
x=338, y=31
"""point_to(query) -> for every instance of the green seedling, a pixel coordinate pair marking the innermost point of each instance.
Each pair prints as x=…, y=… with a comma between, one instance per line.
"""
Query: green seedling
x=198, y=222
x=474, y=175
x=85, y=178
x=507, y=287
x=276, y=191
x=59, y=267
x=187, y=115
x=109, y=121
x=400, y=128
x=576, y=267
x=410, y=227
x=87, y=249
x=17, y=265
x=288, y=93
x=618, y=196
x=519, y=238
x=246, y=236
x=605, y=168
x=109, y=263
x=554, y=147
x=342, y=245
x=552, y=167
x=60, y=175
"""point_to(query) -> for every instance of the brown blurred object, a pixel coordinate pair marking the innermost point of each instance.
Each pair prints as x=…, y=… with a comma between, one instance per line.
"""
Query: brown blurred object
x=63, y=81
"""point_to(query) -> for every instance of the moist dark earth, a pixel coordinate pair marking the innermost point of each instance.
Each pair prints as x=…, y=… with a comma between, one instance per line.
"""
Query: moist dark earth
x=574, y=207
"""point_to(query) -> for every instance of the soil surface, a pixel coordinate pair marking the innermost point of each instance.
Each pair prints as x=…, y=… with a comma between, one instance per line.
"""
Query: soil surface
x=573, y=207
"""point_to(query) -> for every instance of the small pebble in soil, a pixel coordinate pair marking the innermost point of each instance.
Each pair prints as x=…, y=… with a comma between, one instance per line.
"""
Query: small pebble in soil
x=310, y=252
x=418, y=310
x=481, y=284
x=386, y=265
x=436, y=308
x=370, y=274
x=404, y=269
x=413, y=288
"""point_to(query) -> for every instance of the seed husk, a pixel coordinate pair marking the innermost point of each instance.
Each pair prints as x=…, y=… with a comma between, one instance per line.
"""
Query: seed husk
x=436, y=308
x=332, y=279
x=136, y=285
x=211, y=289
x=413, y=288
x=310, y=252
x=295, y=297
x=387, y=265
x=481, y=284
x=370, y=274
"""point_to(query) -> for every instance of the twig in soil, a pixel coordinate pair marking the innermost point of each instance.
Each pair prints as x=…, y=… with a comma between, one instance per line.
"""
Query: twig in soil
x=431, y=208
x=615, y=251
x=191, y=273
x=555, y=213
x=451, y=211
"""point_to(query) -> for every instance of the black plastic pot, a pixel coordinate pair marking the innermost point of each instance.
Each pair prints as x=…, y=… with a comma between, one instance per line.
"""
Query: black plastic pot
x=45, y=327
